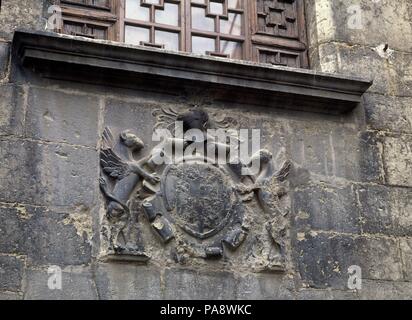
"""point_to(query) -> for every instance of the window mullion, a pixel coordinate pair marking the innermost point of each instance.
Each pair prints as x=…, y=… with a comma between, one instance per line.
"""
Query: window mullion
x=183, y=25
x=217, y=30
x=186, y=29
x=247, y=24
x=120, y=9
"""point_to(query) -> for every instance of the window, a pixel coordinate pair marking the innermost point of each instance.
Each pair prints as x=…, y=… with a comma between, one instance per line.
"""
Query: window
x=268, y=31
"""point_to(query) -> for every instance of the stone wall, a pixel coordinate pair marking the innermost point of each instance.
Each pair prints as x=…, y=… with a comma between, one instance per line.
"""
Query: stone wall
x=376, y=44
x=350, y=189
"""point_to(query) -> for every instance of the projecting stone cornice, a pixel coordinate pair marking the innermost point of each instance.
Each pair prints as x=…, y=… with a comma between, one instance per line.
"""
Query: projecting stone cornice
x=103, y=62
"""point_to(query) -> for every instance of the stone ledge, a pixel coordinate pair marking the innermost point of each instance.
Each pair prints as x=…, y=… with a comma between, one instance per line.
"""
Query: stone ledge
x=103, y=62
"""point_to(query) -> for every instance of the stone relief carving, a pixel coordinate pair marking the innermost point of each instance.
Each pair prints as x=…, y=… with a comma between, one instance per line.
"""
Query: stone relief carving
x=125, y=174
x=194, y=204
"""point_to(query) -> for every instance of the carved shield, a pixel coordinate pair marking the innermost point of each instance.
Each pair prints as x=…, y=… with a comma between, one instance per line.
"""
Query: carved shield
x=199, y=196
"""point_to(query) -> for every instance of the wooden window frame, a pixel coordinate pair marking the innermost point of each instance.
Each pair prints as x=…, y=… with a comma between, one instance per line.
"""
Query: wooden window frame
x=112, y=18
x=217, y=35
x=262, y=41
x=102, y=17
x=152, y=25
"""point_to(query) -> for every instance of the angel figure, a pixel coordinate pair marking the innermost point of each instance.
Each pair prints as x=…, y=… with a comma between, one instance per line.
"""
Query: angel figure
x=269, y=190
x=126, y=173
x=268, y=182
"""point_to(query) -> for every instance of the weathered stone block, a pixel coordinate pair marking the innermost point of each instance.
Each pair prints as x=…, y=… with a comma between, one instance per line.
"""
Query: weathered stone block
x=16, y=14
x=370, y=159
x=324, y=57
x=383, y=55
x=128, y=281
x=264, y=287
x=46, y=237
x=339, y=58
x=406, y=252
x=299, y=177
x=390, y=73
x=388, y=113
x=358, y=22
x=402, y=204
x=345, y=295
x=11, y=272
x=11, y=110
x=72, y=176
x=4, y=59
x=77, y=284
x=326, y=294
x=336, y=152
x=397, y=157
x=313, y=294
x=48, y=174
x=51, y=239
x=400, y=70
x=20, y=172
x=10, y=296
x=189, y=284
x=62, y=117
x=385, y=210
x=329, y=208
x=312, y=147
x=377, y=216
x=379, y=258
x=321, y=21
x=10, y=230
x=323, y=259
x=385, y=290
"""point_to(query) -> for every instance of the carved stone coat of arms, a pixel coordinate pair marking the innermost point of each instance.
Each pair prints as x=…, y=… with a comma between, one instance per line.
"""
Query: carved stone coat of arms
x=189, y=199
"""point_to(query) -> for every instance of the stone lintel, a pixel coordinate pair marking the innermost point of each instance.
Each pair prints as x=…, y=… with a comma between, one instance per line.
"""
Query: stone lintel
x=121, y=65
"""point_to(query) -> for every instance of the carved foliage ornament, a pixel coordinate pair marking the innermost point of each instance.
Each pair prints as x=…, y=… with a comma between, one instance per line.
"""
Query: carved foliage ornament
x=195, y=201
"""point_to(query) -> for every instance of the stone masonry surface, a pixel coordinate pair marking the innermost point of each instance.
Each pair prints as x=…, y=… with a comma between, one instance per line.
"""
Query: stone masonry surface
x=350, y=186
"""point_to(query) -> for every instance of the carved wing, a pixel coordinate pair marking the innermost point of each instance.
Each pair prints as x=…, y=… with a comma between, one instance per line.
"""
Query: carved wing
x=113, y=165
x=283, y=173
x=165, y=118
x=107, y=139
